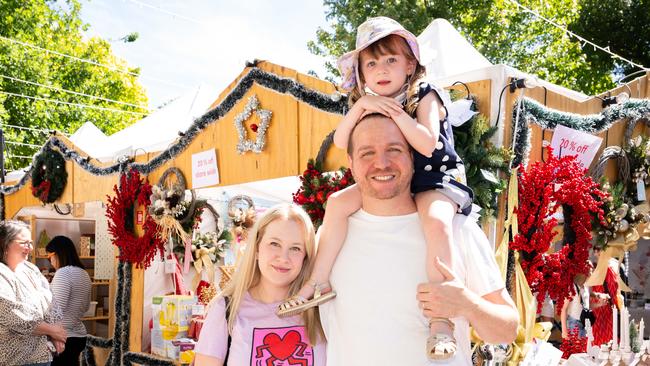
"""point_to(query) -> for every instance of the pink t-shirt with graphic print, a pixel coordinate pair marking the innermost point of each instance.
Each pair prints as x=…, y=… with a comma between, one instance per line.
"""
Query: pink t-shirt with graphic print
x=259, y=336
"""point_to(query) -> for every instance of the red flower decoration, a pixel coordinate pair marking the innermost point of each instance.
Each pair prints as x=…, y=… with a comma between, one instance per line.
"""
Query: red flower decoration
x=119, y=210
x=543, y=189
x=254, y=127
x=316, y=188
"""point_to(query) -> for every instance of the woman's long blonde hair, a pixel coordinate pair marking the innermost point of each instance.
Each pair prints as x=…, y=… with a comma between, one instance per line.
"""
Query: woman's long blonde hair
x=394, y=45
x=247, y=274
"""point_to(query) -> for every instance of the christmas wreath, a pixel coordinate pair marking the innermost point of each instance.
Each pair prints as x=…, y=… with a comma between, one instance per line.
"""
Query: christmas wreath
x=119, y=210
x=543, y=190
x=316, y=188
x=49, y=176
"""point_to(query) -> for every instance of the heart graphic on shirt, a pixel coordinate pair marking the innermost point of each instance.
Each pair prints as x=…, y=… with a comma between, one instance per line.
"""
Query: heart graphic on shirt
x=282, y=348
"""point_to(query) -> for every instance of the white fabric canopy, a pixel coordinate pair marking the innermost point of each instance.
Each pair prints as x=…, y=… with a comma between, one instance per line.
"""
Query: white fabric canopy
x=449, y=57
x=444, y=51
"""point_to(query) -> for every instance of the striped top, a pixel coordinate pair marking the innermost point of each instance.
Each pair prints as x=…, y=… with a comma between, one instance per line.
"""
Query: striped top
x=71, y=295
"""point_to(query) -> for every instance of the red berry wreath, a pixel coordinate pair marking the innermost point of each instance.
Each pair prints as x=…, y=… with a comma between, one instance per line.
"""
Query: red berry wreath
x=119, y=210
x=543, y=189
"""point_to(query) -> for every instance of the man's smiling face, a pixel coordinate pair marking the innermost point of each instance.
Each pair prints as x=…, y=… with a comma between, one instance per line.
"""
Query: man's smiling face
x=381, y=160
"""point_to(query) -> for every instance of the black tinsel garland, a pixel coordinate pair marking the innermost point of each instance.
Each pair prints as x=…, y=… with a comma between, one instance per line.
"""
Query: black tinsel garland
x=531, y=111
x=332, y=104
x=145, y=359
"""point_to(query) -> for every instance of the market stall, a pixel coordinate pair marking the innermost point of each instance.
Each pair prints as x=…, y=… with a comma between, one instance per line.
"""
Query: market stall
x=265, y=127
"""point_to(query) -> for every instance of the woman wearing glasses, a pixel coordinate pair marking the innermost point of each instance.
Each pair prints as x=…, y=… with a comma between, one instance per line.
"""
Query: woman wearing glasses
x=26, y=320
x=71, y=290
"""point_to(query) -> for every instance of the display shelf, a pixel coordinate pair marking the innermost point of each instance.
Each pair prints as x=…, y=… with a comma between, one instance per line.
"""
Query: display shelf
x=102, y=317
x=75, y=228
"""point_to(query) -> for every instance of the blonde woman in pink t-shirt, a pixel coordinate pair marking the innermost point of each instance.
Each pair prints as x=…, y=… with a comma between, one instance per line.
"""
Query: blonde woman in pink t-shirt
x=277, y=262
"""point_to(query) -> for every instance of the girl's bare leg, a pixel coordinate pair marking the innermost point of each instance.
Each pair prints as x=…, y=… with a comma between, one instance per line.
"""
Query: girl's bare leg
x=436, y=213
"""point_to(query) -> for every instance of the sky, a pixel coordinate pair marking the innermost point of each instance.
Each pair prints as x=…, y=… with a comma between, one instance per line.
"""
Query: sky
x=206, y=42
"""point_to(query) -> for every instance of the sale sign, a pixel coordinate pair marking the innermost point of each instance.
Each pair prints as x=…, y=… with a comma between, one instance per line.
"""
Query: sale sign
x=204, y=169
x=567, y=141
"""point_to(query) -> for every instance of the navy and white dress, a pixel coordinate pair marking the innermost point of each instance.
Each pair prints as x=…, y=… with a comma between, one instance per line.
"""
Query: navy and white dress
x=444, y=171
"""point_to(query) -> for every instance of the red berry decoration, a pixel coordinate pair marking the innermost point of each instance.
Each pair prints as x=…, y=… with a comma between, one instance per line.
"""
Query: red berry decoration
x=254, y=127
x=543, y=189
x=119, y=210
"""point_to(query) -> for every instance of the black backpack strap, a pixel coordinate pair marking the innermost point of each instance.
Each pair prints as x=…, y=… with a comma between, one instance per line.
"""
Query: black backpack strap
x=227, y=300
x=579, y=295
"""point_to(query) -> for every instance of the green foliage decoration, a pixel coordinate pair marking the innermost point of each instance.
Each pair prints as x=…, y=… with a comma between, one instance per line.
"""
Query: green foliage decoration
x=49, y=176
x=482, y=159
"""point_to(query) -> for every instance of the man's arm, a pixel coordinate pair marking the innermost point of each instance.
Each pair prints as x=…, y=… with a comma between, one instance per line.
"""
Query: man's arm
x=494, y=308
x=493, y=316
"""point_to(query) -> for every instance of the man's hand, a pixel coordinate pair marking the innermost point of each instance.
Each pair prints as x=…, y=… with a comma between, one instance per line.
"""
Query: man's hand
x=448, y=299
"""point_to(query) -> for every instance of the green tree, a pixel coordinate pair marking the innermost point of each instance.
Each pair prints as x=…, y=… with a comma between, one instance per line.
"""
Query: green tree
x=56, y=26
x=506, y=34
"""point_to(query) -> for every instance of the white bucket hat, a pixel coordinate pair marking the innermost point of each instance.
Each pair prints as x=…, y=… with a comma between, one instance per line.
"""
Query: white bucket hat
x=368, y=33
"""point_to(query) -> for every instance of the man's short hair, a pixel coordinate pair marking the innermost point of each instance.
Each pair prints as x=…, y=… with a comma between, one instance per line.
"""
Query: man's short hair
x=367, y=116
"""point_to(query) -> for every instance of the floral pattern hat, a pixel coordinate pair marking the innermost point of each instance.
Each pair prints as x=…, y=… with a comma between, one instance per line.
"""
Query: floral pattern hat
x=368, y=33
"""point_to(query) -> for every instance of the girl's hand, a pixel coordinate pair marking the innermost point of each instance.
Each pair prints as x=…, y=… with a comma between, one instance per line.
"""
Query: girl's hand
x=378, y=104
x=565, y=334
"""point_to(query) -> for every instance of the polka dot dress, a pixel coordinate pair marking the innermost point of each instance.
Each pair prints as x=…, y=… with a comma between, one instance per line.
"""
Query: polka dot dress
x=444, y=170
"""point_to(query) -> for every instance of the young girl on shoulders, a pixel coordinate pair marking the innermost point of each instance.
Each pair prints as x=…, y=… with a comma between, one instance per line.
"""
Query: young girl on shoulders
x=384, y=75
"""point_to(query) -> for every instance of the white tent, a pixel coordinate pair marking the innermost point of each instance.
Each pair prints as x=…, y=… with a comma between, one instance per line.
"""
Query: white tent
x=91, y=140
x=449, y=57
x=159, y=129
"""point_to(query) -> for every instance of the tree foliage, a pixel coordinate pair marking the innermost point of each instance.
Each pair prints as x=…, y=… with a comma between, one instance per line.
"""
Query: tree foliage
x=56, y=26
x=506, y=34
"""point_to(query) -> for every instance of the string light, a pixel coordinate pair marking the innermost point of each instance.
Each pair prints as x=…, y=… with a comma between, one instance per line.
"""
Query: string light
x=47, y=132
x=72, y=104
x=21, y=144
x=160, y=9
x=74, y=92
x=109, y=67
x=581, y=39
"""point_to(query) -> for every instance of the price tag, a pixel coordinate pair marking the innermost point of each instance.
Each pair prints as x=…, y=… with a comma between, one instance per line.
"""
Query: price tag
x=640, y=190
x=567, y=141
x=170, y=265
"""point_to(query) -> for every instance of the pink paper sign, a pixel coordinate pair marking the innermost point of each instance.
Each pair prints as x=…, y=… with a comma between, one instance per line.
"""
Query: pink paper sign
x=567, y=141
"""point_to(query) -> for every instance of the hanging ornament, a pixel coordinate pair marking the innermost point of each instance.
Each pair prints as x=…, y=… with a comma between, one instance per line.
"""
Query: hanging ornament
x=119, y=211
x=49, y=182
x=244, y=144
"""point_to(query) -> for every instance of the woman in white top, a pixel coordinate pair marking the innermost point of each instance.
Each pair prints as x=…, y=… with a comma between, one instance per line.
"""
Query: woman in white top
x=71, y=290
x=571, y=310
x=26, y=322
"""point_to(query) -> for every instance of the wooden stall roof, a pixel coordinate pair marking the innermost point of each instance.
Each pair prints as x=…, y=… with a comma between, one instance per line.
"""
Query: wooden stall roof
x=81, y=186
x=296, y=132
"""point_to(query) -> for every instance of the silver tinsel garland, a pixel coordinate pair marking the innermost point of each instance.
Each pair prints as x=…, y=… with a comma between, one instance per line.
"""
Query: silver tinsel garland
x=531, y=111
x=244, y=144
